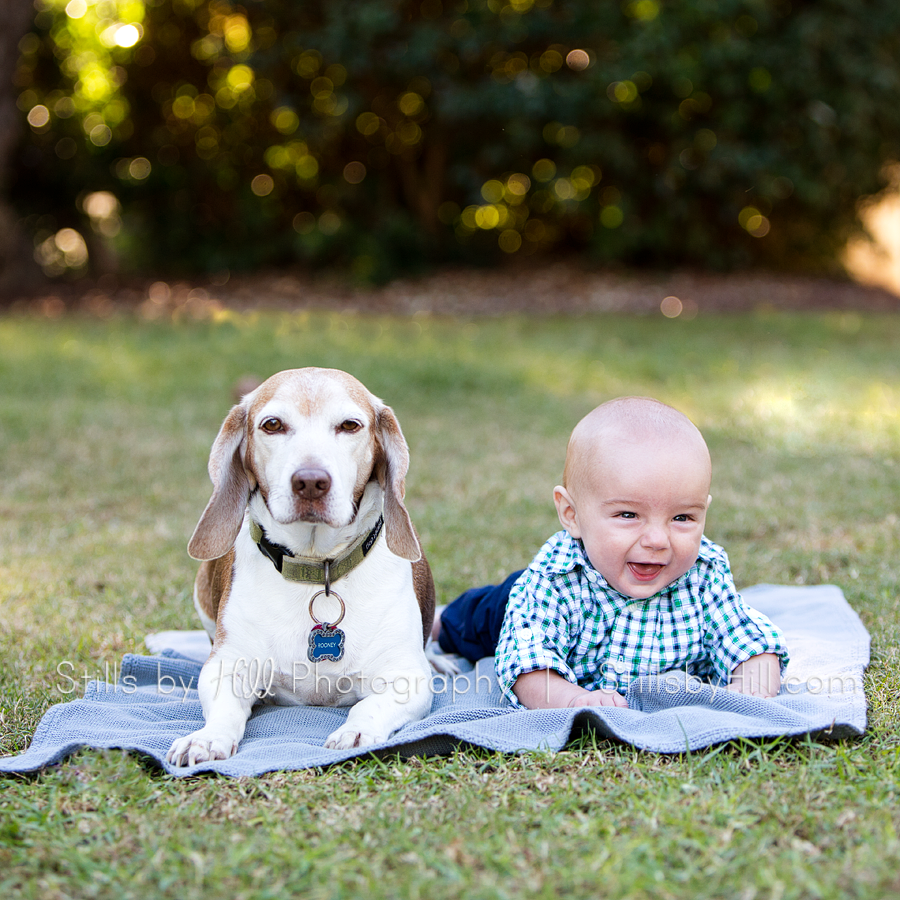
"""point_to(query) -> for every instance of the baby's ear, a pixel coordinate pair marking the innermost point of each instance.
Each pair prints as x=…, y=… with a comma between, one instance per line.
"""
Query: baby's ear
x=708, y=500
x=565, y=509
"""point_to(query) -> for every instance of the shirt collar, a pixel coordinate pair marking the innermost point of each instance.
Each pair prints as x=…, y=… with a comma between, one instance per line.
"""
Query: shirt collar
x=571, y=555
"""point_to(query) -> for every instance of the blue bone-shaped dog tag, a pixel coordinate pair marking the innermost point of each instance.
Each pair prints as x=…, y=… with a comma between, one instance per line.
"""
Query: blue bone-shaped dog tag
x=325, y=642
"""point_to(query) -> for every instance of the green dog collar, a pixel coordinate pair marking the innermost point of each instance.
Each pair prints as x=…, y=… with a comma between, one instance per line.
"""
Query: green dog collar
x=314, y=571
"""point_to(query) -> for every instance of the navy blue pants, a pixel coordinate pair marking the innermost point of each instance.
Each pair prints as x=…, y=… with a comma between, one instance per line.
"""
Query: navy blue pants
x=470, y=625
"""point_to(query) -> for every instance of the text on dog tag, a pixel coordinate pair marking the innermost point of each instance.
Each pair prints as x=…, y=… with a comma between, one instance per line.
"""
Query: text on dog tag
x=325, y=642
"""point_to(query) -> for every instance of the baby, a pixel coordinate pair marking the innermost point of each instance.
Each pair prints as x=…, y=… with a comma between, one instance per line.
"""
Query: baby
x=631, y=587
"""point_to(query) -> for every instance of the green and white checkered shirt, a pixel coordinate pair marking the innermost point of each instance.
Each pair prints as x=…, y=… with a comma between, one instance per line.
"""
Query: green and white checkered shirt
x=563, y=615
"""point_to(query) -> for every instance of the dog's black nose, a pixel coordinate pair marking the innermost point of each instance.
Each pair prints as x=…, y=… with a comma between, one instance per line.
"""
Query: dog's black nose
x=311, y=484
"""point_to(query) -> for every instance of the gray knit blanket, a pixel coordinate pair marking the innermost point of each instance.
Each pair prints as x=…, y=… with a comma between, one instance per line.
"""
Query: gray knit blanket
x=155, y=701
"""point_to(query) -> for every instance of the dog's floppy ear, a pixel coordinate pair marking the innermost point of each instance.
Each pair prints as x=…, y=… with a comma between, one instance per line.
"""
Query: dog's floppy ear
x=391, y=466
x=221, y=521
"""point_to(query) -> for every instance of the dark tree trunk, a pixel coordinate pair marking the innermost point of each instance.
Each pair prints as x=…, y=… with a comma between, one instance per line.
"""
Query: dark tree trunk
x=16, y=267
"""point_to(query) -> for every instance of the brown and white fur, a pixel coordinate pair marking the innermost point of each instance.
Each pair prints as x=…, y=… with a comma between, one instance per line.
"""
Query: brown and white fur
x=314, y=458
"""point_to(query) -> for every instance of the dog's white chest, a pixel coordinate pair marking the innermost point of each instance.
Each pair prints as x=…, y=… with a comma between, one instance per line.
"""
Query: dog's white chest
x=269, y=622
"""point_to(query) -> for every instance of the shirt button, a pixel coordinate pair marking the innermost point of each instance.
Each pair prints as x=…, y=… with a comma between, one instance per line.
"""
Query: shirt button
x=619, y=666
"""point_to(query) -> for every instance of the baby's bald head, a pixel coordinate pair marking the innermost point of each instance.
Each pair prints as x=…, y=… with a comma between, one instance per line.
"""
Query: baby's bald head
x=636, y=493
x=612, y=427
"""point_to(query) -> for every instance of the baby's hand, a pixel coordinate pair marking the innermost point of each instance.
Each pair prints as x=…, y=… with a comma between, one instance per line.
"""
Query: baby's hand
x=759, y=676
x=599, y=698
x=545, y=689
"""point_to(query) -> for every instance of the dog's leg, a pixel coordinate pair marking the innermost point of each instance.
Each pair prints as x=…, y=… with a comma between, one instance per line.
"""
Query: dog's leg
x=226, y=698
x=405, y=698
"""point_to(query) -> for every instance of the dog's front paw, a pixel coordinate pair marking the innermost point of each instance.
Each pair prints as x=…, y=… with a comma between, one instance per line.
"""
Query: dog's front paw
x=201, y=746
x=346, y=738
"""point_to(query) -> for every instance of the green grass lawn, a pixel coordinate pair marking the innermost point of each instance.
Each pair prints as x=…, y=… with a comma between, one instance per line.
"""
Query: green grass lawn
x=105, y=427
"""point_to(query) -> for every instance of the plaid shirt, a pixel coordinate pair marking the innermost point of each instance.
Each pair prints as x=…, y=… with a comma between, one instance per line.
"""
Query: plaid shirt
x=563, y=615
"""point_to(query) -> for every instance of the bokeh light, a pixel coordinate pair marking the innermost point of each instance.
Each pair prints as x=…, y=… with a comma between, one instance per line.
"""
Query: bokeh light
x=61, y=252
x=578, y=60
x=262, y=185
x=354, y=172
x=39, y=116
x=671, y=307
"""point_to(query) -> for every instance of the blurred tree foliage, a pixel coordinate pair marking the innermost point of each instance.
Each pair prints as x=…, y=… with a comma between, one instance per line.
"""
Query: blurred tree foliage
x=381, y=135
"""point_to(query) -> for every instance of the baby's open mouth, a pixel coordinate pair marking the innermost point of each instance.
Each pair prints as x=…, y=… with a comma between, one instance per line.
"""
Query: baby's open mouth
x=645, y=571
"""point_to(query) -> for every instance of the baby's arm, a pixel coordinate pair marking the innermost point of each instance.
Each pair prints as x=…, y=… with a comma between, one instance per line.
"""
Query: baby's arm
x=759, y=676
x=546, y=689
x=743, y=644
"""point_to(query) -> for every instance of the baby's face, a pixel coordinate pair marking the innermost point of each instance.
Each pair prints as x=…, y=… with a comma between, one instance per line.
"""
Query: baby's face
x=640, y=511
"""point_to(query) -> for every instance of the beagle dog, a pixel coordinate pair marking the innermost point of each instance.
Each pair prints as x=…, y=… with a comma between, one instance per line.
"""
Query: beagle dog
x=312, y=587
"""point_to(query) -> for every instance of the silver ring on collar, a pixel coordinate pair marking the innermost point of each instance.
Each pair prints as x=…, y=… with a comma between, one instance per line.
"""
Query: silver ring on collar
x=337, y=597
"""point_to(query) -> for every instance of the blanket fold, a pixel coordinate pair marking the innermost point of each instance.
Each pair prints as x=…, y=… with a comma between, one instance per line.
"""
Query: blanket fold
x=155, y=701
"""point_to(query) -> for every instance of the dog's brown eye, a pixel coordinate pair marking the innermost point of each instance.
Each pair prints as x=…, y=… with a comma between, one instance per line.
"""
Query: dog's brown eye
x=350, y=426
x=272, y=425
